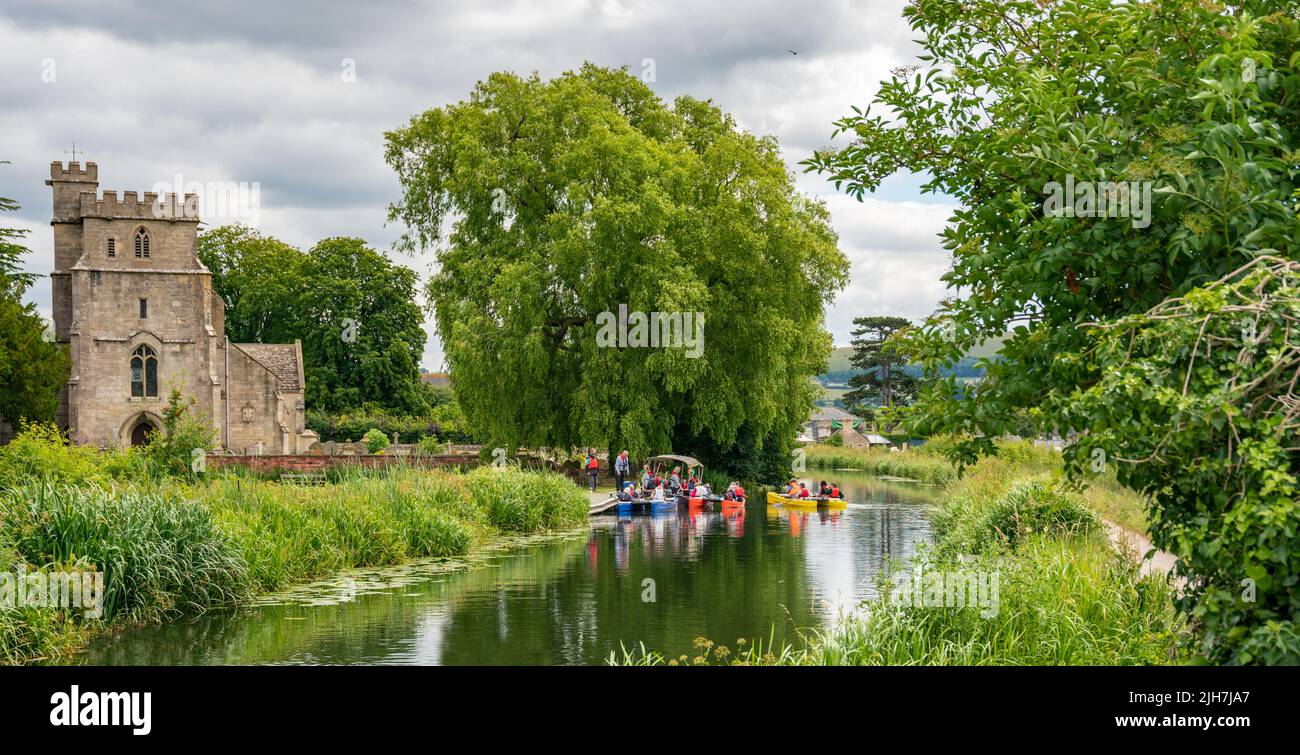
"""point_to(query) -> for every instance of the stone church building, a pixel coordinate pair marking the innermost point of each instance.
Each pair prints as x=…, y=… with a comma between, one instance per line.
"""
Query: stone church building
x=137, y=311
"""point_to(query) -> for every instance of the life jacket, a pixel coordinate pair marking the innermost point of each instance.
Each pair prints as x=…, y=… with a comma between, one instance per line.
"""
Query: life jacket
x=803, y=492
x=593, y=462
x=835, y=492
x=740, y=492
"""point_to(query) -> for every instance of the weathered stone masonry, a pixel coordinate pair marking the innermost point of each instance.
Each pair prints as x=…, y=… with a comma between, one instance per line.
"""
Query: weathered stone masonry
x=137, y=311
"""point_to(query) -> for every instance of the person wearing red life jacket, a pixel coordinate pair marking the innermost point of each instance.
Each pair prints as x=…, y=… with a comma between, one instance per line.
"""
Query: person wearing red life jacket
x=593, y=468
x=835, y=490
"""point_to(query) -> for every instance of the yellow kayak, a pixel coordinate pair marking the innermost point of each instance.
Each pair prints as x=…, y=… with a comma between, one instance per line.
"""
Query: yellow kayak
x=776, y=499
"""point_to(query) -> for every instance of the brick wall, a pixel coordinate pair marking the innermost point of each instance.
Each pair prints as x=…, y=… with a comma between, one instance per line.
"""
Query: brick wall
x=316, y=463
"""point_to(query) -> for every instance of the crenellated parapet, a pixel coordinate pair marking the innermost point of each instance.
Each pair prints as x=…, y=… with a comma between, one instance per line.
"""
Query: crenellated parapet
x=141, y=206
x=74, y=171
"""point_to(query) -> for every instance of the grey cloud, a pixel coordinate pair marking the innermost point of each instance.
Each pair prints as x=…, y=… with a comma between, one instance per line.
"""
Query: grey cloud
x=247, y=91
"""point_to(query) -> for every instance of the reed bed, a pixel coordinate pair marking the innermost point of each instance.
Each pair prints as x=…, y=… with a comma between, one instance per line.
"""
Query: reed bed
x=910, y=464
x=169, y=547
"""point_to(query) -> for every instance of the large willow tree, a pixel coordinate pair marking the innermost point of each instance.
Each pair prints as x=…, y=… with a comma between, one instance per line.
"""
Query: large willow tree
x=550, y=202
x=1169, y=337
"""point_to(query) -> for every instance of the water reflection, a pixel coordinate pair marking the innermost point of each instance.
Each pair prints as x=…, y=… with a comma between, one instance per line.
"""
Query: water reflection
x=662, y=579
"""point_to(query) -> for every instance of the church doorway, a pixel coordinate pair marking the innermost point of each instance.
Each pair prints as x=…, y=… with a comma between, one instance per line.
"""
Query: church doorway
x=140, y=433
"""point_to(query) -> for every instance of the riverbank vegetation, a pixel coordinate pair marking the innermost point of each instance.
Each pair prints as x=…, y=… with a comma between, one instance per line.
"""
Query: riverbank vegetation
x=170, y=546
x=930, y=463
x=1064, y=595
x=1165, y=335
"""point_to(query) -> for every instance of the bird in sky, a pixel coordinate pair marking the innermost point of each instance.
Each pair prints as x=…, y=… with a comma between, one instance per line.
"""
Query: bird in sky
x=793, y=52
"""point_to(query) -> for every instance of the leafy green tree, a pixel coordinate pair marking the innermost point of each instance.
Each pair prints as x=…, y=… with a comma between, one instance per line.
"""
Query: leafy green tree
x=355, y=311
x=186, y=436
x=32, y=368
x=881, y=380
x=260, y=280
x=553, y=202
x=1195, y=102
x=364, y=331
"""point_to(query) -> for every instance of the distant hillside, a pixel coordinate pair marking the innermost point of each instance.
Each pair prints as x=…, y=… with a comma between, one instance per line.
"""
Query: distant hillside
x=839, y=370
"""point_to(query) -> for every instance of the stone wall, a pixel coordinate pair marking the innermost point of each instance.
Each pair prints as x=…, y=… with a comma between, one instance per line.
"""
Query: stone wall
x=108, y=328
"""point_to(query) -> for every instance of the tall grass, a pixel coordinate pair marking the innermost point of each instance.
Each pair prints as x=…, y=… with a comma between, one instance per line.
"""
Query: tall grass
x=521, y=501
x=171, y=547
x=911, y=464
x=1068, y=601
x=161, y=554
x=289, y=533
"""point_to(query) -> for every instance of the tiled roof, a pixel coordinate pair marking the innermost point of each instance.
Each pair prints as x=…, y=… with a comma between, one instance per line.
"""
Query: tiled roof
x=280, y=358
x=824, y=413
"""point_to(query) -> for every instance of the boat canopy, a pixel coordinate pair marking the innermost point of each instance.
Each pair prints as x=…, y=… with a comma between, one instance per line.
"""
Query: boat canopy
x=688, y=461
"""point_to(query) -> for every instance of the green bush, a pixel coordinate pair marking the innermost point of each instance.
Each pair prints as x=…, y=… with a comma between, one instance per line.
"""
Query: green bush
x=375, y=440
x=41, y=452
x=186, y=436
x=443, y=423
x=974, y=520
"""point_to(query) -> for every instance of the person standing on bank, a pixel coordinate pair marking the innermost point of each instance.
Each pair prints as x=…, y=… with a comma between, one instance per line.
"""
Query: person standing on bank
x=593, y=468
x=621, y=468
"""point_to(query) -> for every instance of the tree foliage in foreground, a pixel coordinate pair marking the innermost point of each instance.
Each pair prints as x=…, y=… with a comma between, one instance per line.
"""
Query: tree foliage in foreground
x=1117, y=327
x=566, y=198
x=32, y=369
x=362, y=330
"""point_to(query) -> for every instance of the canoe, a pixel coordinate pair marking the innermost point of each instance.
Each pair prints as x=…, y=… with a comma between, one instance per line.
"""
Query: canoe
x=776, y=499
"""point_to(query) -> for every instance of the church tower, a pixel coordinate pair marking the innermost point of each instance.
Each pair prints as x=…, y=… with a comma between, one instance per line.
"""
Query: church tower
x=139, y=316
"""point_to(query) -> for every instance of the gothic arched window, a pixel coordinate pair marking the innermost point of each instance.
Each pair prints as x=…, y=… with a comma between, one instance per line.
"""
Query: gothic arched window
x=142, y=243
x=144, y=373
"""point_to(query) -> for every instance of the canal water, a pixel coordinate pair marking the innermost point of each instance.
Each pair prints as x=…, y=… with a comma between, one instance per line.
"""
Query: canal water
x=573, y=598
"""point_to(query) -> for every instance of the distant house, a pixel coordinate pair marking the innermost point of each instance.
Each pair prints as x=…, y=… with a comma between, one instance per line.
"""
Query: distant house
x=435, y=379
x=876, y=440
x=826, y=420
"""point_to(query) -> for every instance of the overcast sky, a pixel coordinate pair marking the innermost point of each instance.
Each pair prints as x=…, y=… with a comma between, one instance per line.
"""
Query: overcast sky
x=256, y=92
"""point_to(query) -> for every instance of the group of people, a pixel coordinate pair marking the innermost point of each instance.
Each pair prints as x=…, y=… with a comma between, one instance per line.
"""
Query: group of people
x=653, y=486
x=796, y=489
x=658, y=488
